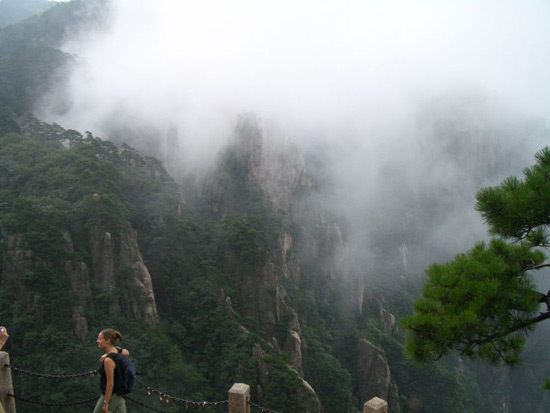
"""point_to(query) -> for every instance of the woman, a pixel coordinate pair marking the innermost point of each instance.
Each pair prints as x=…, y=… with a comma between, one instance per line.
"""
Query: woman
x=109, y=402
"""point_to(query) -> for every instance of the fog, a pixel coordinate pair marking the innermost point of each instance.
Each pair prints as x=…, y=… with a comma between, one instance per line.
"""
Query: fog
x=368, y=79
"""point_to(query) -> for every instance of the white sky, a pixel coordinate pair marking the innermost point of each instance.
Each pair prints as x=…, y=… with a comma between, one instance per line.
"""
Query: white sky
x=197, y=64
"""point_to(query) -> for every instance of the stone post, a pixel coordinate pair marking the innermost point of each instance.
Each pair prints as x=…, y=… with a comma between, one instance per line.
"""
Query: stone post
x=7, y=403
x=3, y=336
x=375, y=405
x=239, y=397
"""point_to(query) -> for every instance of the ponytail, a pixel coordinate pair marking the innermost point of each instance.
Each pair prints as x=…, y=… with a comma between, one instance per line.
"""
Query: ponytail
x=111, y=335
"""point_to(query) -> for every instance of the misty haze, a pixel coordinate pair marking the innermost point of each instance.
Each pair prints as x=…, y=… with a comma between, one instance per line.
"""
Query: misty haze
x=271, y=181
x=378, y=87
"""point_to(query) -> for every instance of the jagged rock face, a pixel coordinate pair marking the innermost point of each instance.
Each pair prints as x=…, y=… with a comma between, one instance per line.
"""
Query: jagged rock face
x=103, y=257
x=249, y=143
x=107, y=258
x=133, y=282
x=336, y=246
x=17, y=261
x=279, y=171
x=80, y=324
x=368, y=302
x=229, y=311
x=307, y=398
x=373, y=372
x=290, y=265
x=293, y=347
x=77, y=274
x=141, y=305
x=274, y=176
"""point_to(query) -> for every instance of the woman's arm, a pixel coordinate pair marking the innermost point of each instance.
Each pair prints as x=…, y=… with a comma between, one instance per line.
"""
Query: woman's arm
x=120, y=350
x=109, y=365
x=125, y=352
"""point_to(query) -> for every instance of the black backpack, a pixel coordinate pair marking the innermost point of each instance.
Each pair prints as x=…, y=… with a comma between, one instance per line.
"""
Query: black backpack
x=125, y=374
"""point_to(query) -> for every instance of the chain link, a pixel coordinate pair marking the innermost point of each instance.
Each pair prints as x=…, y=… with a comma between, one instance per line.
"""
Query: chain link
x=66, y=404
x=167, y=397
x=263, y=409
x=145, y=405
x=52, y=376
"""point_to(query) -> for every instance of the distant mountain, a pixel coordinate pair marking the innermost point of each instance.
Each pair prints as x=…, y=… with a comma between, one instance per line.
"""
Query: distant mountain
x=31, y=61
x=12, y=11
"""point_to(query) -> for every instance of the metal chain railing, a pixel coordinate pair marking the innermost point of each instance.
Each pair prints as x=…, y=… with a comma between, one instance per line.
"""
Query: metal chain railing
x=145, y=405
x=263, y=409
x=64, y=404
x=52, y=376
x=150, y=391
x=169, y=398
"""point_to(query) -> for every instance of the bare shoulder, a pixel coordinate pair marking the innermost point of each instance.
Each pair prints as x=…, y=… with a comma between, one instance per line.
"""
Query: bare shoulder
x=107, y=361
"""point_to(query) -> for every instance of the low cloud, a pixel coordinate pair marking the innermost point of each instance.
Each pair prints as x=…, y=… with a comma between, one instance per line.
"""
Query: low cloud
x=198, y=63
x=359, y=75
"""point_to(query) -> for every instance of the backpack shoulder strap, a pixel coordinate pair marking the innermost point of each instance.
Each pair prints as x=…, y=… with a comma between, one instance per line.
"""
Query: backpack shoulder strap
x=112, y=356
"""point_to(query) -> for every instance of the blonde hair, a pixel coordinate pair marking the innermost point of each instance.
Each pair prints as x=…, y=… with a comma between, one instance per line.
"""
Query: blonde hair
x=111, y=335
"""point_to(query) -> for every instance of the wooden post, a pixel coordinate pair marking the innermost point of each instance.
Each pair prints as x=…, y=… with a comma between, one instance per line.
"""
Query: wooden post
x=375, y=405
x=239, y=398
x=6, y=384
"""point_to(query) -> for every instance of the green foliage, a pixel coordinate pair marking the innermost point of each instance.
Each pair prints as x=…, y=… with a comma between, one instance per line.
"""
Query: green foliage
x=30, y=60
x=326, y=375
x=518, y=209
x=484, y=302
x=474, y=302
x=244, y=236
x=52, y=181
x=26, y=73
x=280, y=392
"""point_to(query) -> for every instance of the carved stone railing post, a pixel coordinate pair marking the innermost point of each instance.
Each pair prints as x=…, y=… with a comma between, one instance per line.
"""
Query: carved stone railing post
x=239, y=398
x=375, y=405
x=7, y=403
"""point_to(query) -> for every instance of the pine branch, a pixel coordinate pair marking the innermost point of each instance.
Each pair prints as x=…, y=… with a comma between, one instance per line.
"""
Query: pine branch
x=537, y=267
x=520, y=326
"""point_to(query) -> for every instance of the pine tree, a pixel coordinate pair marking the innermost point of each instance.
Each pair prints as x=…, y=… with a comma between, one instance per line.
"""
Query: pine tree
x=484, y=302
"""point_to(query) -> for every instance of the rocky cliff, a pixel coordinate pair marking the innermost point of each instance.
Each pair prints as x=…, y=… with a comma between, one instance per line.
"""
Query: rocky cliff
x=267, y=177
x=115, y=268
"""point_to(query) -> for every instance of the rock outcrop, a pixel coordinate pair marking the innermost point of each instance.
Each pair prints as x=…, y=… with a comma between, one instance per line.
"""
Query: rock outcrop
x=140, y=298
x=373, y=305
x=115, y=264
x=118, y=264
x=373, y=372
x=268, y=177
x=17, y=261
x=307, y=399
